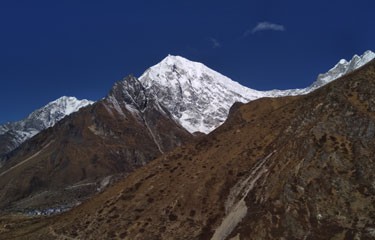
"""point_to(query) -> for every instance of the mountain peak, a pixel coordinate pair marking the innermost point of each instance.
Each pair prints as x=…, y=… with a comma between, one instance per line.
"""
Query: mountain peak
x=170, y=59
x=367, y=56
x=40, y=119
x=67, y=104
x=173, y=58
x=343, y=61
x=178, y=64
x=62, y=106
x=198, y=97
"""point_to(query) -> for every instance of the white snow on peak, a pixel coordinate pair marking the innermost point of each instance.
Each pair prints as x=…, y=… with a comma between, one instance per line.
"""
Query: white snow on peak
x=67, y=105
x=53, y=112
x=41, y=119
x=340, y=69
x=190, y=72
x=199, y=98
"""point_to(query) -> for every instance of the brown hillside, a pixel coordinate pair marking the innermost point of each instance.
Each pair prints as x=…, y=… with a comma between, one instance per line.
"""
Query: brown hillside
x=284, y=168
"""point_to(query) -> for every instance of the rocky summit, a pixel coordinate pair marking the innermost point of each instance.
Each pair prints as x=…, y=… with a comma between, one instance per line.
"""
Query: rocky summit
x=297, y=167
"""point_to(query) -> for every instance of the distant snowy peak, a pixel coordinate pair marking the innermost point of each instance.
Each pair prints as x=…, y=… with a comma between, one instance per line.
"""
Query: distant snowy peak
x=18, y=132
x=176, y=69
x=68, y=105
x=53, y=112
x=343, y=67
x=198, y=97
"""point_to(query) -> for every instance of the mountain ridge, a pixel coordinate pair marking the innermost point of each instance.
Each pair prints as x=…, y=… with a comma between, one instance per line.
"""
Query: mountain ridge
x=343, y=67
x=198, y=97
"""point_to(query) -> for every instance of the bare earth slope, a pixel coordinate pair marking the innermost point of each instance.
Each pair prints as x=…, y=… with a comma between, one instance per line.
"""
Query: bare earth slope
x=282, y=168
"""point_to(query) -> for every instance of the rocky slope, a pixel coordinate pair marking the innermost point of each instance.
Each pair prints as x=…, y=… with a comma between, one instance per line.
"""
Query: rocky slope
x=279, y=168
x=14, y=133
x=68, y=162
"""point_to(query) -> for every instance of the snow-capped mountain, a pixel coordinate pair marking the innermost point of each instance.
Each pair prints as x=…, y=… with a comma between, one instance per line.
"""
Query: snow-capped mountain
x=199, y=98
x=14, y=133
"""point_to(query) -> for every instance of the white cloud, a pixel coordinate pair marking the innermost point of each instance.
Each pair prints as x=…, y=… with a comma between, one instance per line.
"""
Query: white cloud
x=265, y=26
x=215, y=43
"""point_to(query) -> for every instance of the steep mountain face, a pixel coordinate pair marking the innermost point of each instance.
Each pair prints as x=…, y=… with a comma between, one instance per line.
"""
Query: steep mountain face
x=199, y=98
x=65, y=163
x=14, y=133
x=279, y=168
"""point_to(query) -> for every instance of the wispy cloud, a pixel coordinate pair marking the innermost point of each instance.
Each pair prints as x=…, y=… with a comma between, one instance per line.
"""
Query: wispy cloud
x=265, y=26
x=215, y=43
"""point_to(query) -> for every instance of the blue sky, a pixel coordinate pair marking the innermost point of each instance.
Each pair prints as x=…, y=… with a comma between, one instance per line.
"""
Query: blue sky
x=80, y=48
